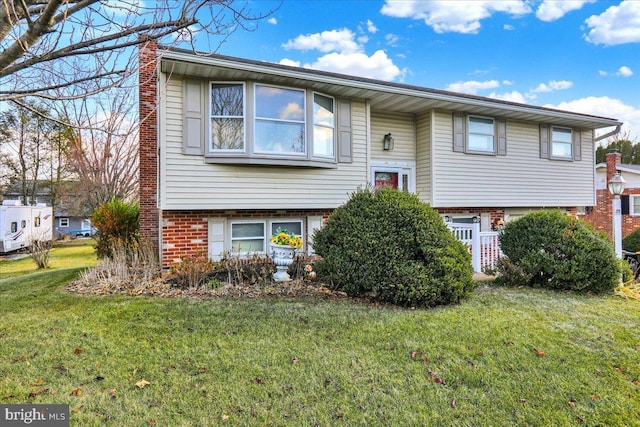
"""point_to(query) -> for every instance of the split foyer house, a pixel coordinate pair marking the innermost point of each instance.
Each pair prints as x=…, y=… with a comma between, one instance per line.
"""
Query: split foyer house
x=231, y=149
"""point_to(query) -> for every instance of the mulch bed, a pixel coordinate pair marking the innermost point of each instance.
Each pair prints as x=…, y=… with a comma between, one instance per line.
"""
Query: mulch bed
x=166, y=289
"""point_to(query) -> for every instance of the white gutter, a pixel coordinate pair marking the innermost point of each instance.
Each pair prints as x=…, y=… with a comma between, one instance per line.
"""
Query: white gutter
x=607, y=135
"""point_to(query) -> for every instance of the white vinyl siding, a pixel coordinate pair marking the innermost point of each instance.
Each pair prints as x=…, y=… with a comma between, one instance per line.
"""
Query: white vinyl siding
x=519, y=179
x=401, y=127
x=423, y=157
x=187, y=182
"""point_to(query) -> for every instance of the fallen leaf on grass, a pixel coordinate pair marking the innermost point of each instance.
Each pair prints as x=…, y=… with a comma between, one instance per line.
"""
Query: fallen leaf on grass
x=37, y=392
x=538, y=353
x=295, y=360
x=39, y=382
x=595, y=397
x=287, y=388
x=414, y=353
x=60, y=368
x=77, y=351
x=453, y=403
x=439, y=381
x=572, y=403
x=142, y=383
x=225, y=417
x=76, y=392
x=257, y=380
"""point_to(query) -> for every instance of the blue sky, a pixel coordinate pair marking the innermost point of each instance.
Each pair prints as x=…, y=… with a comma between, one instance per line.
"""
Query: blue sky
x=575, y=55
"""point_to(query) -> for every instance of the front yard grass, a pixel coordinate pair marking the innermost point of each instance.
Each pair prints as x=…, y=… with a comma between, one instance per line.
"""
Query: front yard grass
x=503, y=357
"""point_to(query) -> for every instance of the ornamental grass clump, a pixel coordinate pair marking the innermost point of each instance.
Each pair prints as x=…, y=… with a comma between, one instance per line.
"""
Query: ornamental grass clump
x=552, y=250
x=388, y=246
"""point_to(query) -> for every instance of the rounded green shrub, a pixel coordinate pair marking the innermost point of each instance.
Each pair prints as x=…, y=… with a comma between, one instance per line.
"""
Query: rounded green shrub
x=555, y=251
x=118, y=224
x=631, y=242
x=389, y=246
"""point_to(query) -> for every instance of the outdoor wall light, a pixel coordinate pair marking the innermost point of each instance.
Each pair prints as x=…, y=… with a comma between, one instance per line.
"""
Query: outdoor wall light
x=387, y=142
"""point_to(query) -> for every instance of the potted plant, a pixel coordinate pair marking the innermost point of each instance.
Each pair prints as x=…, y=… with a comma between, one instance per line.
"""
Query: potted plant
x=283, y=246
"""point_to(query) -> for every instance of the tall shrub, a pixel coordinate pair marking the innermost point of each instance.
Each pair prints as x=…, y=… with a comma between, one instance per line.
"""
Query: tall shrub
x=389, y=246
x=553, y=250
x=117, y=223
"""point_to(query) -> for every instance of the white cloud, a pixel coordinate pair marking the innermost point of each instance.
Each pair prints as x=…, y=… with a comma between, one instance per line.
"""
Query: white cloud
x=624, y=71
x=342, y=41
x=602, y=72
x=392, y=39
x=553, y=85
x=550, y=10
x=289, y=62
x=508, y=27
x=507, y=82
x=616, y=25
x=453, y=16
x=472, y=86
x=377, y=66
x=371, y=27
x=606, y=107
x=513, y=96
x=272, y=21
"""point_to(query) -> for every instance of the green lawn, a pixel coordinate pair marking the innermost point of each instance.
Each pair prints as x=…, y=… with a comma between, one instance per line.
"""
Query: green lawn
x=504, y=357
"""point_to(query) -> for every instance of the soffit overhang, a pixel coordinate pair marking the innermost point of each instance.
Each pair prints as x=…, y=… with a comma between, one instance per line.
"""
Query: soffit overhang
x=381, y=95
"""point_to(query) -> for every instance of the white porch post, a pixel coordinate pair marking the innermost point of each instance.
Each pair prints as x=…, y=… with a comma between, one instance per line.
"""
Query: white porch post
x=475, y=248
x=617, y=225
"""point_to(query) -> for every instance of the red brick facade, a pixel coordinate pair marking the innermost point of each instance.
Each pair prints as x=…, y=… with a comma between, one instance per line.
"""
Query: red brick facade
x=185, y=233
x=601, y=216
x=148, y=150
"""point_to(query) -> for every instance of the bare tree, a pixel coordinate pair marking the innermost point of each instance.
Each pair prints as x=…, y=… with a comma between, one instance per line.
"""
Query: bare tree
x=25, y=135
x=102, y=149
x=49, y=45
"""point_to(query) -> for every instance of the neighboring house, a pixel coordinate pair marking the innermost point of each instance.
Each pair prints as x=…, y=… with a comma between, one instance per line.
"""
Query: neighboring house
x=600, y=216
x=66, y=224
x=231, y=149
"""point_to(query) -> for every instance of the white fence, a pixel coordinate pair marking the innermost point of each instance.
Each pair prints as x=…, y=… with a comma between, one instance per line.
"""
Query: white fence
x=483, y=245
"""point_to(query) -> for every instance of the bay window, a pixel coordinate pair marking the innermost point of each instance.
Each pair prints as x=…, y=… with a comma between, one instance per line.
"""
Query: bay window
x=256, y=123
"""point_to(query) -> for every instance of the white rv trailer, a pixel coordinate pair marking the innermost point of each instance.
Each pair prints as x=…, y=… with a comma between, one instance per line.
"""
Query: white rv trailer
x=20, y=225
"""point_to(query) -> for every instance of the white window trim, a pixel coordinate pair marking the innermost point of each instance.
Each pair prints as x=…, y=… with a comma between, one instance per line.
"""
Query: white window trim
x=313, y=125
x=632, y=210
x=401, y=168
x=209, y=116
x=249, y=155
x=552, y=142
x=303, y=122
x=469, y=133
x=60, y=220
x=267, y=222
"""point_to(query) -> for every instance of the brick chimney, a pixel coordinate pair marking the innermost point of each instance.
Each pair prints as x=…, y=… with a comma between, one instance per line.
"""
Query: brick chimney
x=613, y=162
x=148, y=140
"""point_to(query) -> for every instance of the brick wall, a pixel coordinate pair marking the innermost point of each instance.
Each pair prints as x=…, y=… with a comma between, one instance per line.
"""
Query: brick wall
x=148, y=148
x=601, y=215
x=185, y=233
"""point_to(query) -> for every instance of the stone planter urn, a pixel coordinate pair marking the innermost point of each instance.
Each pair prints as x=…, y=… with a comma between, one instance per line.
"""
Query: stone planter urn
x=282, y=256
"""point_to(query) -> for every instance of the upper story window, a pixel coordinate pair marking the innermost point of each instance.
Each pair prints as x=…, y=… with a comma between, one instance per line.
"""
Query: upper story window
x=561, y=142
x=280, y=121
x=265, y=124
x=481, y=135
x=227, y=117
x=323, y=125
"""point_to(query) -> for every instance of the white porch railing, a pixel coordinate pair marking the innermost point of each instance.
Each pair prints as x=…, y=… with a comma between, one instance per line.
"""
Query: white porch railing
x=483, y=245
